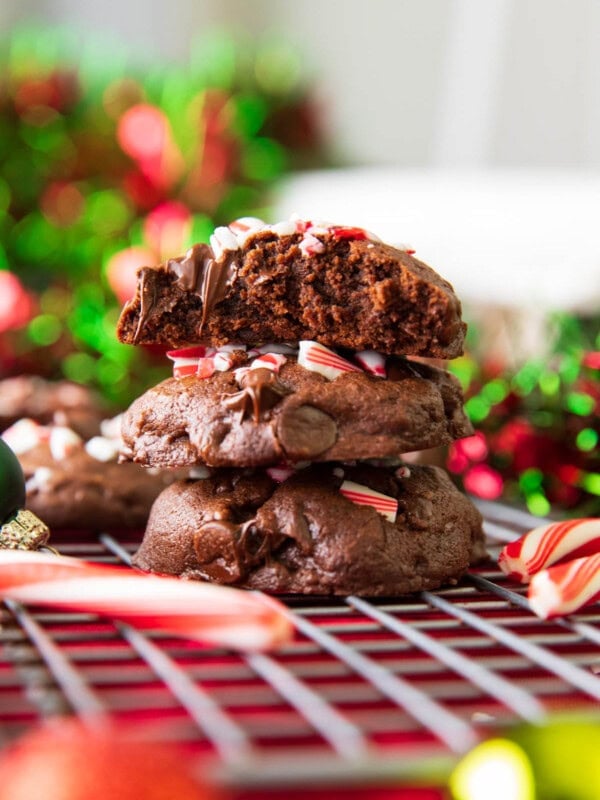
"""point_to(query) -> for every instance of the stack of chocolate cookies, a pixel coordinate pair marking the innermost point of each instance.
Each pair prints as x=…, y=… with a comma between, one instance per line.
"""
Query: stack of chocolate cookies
x=294, y=396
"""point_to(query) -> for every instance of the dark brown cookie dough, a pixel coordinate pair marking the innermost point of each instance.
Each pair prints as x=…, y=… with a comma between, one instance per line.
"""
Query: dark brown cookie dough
x=63, y=402
x=303, y=536
x=79, y=491
x=357, y=293
x=297, y=415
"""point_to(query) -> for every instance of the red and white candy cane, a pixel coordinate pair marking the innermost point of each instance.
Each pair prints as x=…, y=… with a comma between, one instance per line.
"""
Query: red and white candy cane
x=550, y=544
x=317, y=358
x=217, y=615
x=365, y=496
x=185, y=360
x=372, y=362
x=311, y=246
x=565, y=588
x=272, y=361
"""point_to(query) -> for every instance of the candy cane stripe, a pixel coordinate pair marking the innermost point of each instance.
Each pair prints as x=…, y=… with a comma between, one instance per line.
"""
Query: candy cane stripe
x=548, y=545
x=215, y=614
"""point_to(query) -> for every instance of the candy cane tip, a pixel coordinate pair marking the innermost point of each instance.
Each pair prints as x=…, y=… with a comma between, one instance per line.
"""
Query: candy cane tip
x=543, y=596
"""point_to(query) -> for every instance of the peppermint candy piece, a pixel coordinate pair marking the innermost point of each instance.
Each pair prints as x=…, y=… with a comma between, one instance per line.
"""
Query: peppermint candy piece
x=311, y=246
x=245, y=227
x=317, y=358
x=39, y=479
x=197, y=351
x=102, y=449
x=284, y=228
x=365, y=496
x=549, y=544
x=284, y=349
x=186, y=359
x=217, y=615
x=280, y=473
x=565, y=588
x=223, y=240
x=372, y=362
x=272, y=361
x=111, y=428
x=24, y=435
x=63, y=441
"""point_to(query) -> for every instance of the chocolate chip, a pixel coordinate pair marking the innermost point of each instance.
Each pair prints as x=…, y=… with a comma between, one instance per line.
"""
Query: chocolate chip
x=305, y=431
x=214, y=544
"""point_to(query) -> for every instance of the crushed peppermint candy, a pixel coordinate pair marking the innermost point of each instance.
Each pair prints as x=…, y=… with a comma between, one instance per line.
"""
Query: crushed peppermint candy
x=111, y=428
x=272, y=361
x=280, y=473
x=24, y=435
x=39, y=479
x=223, y=239
x=317, y=358
x=402, y=472
x=372, y=362
x=102, y=448
x=240, y=231
x=365, y=496
x=63, y=441
x=284, y=349
x=311, y=246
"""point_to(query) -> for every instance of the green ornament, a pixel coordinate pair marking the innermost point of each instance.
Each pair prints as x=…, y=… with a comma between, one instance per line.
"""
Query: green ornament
x=12, y=483
x=19, y=529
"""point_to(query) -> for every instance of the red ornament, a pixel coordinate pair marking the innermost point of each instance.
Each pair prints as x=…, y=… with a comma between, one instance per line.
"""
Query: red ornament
x=63, y=760
x=591, y=359
x=16, y=305
x=167, y=228
x=122, y=268
x=483, y=481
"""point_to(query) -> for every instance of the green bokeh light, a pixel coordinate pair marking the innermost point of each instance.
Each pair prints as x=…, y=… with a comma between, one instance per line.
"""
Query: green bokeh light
x=79, y=367
x=587, y=439
x=107, y=212
x=538, y=504
x=45, y=329
x=591, y=482
x=263, y=160
x=477, y=408
x=494, y=770
x=495, y=391
x=531, y=479
x=278, y=67
x=549, y=383
x=580, y=403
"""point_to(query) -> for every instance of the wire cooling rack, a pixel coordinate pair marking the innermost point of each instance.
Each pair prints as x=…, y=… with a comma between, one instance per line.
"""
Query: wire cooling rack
x=369, y=691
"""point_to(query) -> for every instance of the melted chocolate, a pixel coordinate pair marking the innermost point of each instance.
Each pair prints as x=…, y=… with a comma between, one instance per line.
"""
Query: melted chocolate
x=147, y=302
x=261, y=390
x=227, y=551
x=199, y=272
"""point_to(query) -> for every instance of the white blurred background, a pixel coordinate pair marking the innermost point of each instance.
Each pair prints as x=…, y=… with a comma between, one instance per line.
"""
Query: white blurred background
x=405, y=82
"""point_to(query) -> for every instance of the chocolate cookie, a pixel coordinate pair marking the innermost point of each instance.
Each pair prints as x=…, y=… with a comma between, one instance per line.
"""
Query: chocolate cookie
x=63, y=402
x=292, y=281
x=305, y=536
x=75, y=484
x=296, y=414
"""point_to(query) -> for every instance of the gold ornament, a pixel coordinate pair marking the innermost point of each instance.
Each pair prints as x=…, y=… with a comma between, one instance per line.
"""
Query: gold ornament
x=24, y=531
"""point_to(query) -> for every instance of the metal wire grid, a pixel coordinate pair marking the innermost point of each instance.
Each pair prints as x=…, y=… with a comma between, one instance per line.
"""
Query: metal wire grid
x=368, y=690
